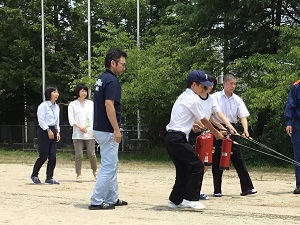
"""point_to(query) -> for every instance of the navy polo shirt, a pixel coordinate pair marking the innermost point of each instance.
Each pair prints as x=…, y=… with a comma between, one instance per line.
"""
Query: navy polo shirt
x=107, y=87
x=292, y=107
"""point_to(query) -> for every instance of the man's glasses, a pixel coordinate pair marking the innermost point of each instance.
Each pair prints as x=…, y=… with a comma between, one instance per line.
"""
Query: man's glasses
x=123, y=64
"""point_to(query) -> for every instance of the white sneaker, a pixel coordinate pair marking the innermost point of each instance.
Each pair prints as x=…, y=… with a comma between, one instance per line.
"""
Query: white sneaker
x=171, y=205
x=79, y=179
x=192, y=204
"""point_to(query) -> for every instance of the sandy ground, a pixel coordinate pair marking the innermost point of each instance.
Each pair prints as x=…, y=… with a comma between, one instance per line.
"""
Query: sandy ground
x=146, y=188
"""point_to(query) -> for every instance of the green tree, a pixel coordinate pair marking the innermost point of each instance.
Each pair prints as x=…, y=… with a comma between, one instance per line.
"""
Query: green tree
x=20, y=53
x=242, y=28
x=19, y=57
x=267, y=80
x=161, y=70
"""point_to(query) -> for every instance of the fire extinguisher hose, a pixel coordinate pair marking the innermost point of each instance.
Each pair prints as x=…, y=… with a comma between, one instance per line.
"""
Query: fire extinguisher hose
x=281, y=156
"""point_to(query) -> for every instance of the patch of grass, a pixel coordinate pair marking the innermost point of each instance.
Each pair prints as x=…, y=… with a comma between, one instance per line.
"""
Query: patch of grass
x=155, y=155
x=29, y=157
x=267, y=168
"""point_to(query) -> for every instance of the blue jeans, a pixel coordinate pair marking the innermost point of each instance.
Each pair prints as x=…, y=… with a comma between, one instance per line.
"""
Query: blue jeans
x=106, y=186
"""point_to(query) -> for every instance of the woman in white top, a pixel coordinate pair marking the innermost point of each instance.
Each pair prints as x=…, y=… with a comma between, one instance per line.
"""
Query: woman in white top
x=81, y=114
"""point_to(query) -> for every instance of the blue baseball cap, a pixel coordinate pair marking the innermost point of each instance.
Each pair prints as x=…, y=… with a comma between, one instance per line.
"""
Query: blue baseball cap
x=200, y=76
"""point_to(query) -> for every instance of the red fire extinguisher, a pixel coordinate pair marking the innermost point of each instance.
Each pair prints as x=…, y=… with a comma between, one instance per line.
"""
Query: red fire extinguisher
x=210, y=149
x=204, y=146
x=225, y=154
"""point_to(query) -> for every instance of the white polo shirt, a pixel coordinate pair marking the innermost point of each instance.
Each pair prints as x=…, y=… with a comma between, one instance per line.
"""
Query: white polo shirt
x=185, y=111
x=232, y=107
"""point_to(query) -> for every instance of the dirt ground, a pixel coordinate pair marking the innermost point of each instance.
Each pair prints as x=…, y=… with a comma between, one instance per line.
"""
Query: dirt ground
x=146, y=187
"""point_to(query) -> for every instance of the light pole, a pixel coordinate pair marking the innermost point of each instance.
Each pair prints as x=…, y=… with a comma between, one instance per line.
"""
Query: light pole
x=138, y=45
x=89, y=43
x=138, y=24
x=43, y=50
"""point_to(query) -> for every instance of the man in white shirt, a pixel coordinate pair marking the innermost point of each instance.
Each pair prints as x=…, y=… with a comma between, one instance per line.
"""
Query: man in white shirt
x=189, y=168
x=209, y=106
x=233, y=107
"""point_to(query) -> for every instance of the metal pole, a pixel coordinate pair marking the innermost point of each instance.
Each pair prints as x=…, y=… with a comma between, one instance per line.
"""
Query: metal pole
x=138, y=45
x=139, y=124
x=25, y=110
x=89, y=43
x=138, y=24
x=43, y=51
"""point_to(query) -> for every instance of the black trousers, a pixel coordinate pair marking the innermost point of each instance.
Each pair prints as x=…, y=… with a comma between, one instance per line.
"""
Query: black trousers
x=238, y=163
x=47, y=150
x=189, y=168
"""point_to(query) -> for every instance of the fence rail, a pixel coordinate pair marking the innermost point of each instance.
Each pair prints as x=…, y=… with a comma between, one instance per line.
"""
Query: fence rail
x=24, y=137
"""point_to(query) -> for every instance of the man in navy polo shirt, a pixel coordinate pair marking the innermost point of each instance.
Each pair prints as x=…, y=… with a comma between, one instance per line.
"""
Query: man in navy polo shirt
x=107, y=121
x=292, y=120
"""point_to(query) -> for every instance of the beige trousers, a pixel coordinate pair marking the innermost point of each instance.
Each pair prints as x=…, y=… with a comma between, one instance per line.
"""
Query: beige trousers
x=90, y=148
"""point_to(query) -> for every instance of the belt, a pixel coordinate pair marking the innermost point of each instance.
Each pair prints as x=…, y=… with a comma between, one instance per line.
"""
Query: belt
x=176, y=131
x=233, y=124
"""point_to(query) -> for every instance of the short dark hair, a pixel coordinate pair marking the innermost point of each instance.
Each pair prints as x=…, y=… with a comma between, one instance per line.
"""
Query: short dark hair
x=213, y=80
x=48, y=92
x=229, y=76
x=79, y=87
x=189, y=83
x=114, y=54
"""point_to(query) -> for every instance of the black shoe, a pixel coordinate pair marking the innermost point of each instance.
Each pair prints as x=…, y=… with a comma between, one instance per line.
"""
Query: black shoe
x=51, y=181
x=120, y=203
x=219, y=194
x=35, y=179
x=297, y=191
x=102, y=206
x=249, y=192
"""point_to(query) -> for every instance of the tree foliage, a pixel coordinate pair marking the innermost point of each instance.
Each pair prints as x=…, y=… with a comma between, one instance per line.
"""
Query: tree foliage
x=268, y=79
x=257, y=39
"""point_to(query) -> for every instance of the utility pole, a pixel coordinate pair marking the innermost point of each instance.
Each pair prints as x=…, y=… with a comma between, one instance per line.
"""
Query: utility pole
x=43, y=50
x=138, y=45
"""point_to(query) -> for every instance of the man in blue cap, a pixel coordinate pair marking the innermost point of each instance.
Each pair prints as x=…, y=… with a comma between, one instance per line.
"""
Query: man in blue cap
x=189, y=169
x=292, y=121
